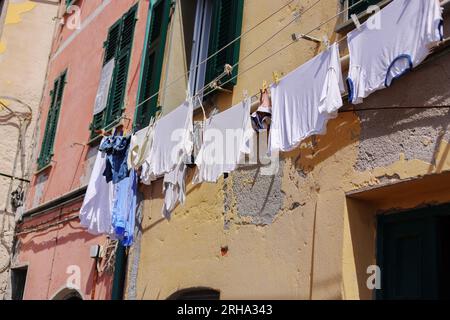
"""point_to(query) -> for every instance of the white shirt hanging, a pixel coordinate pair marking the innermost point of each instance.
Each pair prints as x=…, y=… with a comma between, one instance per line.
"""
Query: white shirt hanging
x=96, y=211
x=174, y=189
x=226, y=140
x=172, y=141
x=305, y=99
x=381, y=53
x=140, y=145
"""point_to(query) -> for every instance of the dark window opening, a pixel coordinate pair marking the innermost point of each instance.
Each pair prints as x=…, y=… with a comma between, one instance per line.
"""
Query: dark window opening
x=361, y=7
x=18, y=280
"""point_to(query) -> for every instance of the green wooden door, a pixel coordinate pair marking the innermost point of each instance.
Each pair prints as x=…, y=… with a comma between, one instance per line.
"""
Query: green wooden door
x=408, y=255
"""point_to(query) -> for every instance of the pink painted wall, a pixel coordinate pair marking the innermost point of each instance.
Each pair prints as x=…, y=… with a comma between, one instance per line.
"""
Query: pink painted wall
x=49, y=252
x=83, y=59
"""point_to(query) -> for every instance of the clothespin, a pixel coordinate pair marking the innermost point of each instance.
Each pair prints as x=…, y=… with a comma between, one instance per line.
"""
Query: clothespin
x=228, y=69
x=264, y=86
x=245, y=93
x=188, y=94
x=326, y=41
x=276, y=77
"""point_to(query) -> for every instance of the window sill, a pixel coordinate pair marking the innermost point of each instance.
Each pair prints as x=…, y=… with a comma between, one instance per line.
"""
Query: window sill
x=94, y=141
x=44, y=168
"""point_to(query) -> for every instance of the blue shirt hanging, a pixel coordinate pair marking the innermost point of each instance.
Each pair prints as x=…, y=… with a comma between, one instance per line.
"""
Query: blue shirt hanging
x=116, y=148
x=124, y=209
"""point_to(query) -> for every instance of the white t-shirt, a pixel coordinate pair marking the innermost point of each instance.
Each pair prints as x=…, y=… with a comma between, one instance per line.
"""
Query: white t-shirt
x=226, y=140
x=172, y=141
x=381, y=52
x=96, y=211
x=305, y=99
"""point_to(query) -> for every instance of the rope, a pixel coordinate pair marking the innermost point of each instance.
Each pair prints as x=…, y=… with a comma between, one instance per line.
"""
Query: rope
x=221, y=49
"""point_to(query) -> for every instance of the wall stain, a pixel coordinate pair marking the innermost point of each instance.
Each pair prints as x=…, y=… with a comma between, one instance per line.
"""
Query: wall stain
x=14, y=16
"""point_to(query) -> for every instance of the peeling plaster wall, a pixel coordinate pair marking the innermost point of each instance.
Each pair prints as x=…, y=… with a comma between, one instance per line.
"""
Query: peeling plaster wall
x=296, y=235
x=24, y=50
x=258, y=198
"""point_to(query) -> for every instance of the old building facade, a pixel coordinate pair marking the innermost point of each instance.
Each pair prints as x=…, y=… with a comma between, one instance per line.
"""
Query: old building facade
x=340, y=206
x=51, y=244
x=22, y=75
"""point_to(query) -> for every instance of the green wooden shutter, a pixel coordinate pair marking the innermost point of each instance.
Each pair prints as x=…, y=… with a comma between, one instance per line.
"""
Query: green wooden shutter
x=154, y=59
x=111, y=46
x=48, y=141
x=112, y=42
x=226, y=26
x=118, y=46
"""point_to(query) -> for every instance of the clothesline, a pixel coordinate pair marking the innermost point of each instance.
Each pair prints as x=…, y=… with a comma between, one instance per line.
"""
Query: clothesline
x=283, y=48
x=215, y=53
x=199, y=92
x=303, y=101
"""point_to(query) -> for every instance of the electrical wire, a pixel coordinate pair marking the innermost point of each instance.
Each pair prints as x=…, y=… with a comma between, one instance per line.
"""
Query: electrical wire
x=283, y=48
x=263, y=44
x=223, y=48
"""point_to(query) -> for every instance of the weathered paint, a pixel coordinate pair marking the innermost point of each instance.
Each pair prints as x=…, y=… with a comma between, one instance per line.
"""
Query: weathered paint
x=52, y=254
x=22, y=77
x=16, y=10
x=80, y=51
x=14, y=15
x=315, y=242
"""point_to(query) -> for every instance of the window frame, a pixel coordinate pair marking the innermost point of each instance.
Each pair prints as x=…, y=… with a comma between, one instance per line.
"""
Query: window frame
x=346, y=22
x=107, y=122
x=200, y=47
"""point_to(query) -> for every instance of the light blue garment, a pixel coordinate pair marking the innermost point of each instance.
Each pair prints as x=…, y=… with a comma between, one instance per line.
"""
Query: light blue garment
x=124, y=209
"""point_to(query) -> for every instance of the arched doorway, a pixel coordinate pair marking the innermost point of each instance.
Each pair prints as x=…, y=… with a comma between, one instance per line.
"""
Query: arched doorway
x=68, y=294
x=199, y=293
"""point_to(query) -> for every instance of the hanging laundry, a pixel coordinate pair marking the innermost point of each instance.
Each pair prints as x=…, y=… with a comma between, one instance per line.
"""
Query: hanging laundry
x=174, y=189
x=378, y=56
x=225, y=142
x=172, y=141
x=305, y=99
x=261, y=118
x=124, y=209
x=95, y=213
x=116, y=148
x=197, y=141
x=140, y=145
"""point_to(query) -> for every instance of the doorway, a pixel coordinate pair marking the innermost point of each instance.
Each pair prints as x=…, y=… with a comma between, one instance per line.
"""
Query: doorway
x=413, y=254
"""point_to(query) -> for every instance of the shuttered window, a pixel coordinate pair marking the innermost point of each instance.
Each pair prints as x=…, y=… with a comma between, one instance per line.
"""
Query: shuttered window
x=117, y=46
x=69, y=3
x=48, y=141
x=226, y=26
x=359, y=8
x=153, y=63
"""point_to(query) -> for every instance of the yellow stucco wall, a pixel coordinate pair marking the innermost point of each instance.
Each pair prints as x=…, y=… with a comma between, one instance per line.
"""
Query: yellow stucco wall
x=321, y=241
